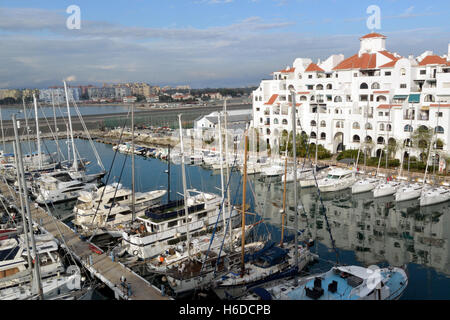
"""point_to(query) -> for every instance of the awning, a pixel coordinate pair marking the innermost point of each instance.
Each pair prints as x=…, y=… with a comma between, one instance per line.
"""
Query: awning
x=401, y=97
x=415, y=98
x=424, y=108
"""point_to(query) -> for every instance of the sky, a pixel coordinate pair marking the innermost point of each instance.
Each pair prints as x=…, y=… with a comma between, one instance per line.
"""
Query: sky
x=203, y=43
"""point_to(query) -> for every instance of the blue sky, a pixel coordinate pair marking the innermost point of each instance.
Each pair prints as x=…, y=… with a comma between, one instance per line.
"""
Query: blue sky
x=204, y=43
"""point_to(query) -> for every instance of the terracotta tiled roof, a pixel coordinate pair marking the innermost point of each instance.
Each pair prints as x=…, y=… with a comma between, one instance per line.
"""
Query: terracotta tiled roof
x=287, y=70
x=432, y=60
x=389, y=55
x=365, y=61
x=373, y=35
x=314, y=67
x=388, y=106
x=272, y=99
x=380, y=92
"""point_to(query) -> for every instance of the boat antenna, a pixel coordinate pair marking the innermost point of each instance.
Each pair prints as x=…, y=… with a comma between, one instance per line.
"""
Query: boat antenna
x=38, y=133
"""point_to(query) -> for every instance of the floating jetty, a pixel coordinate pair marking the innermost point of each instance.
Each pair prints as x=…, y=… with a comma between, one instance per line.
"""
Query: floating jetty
x=92, y=258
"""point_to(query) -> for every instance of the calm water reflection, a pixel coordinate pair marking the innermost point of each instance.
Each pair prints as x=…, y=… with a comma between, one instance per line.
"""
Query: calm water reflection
x=366, y=231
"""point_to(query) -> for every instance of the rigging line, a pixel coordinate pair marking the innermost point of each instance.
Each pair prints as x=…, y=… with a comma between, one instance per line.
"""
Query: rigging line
x=51, y=131
x=9, y=214
x=229, y=220
x=110, y=168
x=221, y=211
x=99, y=160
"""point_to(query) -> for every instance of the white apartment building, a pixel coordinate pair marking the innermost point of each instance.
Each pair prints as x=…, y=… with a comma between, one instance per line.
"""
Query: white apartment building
x=374, y=96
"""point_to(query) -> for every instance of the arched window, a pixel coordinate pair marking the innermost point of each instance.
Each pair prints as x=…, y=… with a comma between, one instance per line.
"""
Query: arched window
x=323, y=136
x=381, y=127
x=356, y=125
x=284, y=122
x=291, y=87
x=329, y=86
x=407, y=143
x=364, y=86
x=381, y=99
x=275, y=121
x=368, y=126
x=380, y=140
x=439, y=129
x=313, y=135
x=368, y=139
x=313, y=98
x=313, y=123
x=439, y=144
x=429, y=98
x=388, y=127
x=268, y=131
x=319, y=87
x=403, y=72
x=408, y=128
x=356, y=139
x=298, y=122
x=260, y=120
x=323, y=124
x=340, y=124
x=375, y=85
x=423, y=144
x=423, y=129
x=338, y=99
x=303, y=98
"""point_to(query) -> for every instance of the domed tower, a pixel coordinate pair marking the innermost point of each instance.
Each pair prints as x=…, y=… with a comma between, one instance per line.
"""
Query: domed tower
x=372, y=42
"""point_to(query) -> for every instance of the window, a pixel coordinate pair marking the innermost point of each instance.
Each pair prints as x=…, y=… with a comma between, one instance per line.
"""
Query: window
x=403, y=72
x=329, y=86
x=313, y=135
x=356, y=125
x=172, y=224
x=388, y=127
x=356, y=138
x=323, y=136
x=313, y=123
x=319, y=87
x=275, y=121
x=355, y=74
x=285, y=122
x=439, y=114
x=408, y=128
x=364, y=86
x=387, y=73
x=381, y=127
x=380, y=114
x=403, y=86
x=310, y=76
x=439, y=129
x=429, y=98
x=376, y=85
x=323, y=124
x=368, y=126
x=423, y=71
x=310, y=87
x=337, y=99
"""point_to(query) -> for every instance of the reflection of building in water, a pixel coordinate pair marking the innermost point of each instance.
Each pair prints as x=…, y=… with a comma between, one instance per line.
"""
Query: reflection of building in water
x=377, y=230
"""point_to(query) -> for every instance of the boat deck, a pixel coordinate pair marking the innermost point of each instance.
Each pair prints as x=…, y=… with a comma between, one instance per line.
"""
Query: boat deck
x=100, y=265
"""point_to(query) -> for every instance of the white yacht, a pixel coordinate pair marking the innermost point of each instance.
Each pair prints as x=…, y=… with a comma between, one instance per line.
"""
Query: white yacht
x=339, y=283
x=301, y=175
x=408, y=191
x=365, y=185
x=166, y=223
x=58, y=187
x=111, y=205
x=272, y=171
x=14, y=268
x=434, y=195
x=337, y=179
x=385, y=189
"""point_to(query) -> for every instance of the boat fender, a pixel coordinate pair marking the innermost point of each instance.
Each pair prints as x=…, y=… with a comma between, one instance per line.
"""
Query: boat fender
x=135, y=252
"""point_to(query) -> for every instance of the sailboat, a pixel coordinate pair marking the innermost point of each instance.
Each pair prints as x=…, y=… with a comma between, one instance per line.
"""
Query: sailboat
x=433, y=195
x=165, y=224
x=366, y=184
x=65, y=185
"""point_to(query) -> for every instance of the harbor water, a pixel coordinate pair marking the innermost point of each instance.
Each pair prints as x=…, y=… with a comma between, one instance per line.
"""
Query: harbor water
x=366, y=231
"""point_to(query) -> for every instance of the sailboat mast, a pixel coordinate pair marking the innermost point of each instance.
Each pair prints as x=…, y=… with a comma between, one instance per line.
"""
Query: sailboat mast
x=317, y=134
x=56, y=128
x=168, y=173
x=3, y=133
x=228, y=167
x=22, y=206
x=221, y=167
x=133, y=184
x=243, y=206
x=283, y=213
x=38, y=134
x=183, y=174
x=26, y=124
x=75, y=161
x=294, y=150
x=23, y=186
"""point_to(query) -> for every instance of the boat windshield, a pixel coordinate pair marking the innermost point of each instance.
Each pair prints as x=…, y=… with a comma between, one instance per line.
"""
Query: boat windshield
x=332, y=176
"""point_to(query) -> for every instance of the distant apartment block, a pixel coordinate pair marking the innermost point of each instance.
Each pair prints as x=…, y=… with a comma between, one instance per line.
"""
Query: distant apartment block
x=58, y=95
